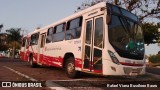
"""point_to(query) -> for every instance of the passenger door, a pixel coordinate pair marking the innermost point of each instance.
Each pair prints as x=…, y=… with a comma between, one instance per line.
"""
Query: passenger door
x=23, y=49
x=41, y=48
x=94, y=43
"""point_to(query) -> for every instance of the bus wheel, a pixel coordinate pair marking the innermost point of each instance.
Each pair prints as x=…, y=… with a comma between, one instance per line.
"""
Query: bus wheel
x=33, y=65
x=70, y=68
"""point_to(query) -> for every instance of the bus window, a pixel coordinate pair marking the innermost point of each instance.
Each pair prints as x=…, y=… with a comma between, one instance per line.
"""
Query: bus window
x=42, y=40
x=27, y=44
x=59, y=28
x=58, y=34
x=98, y=40
x=49, y=35
x=34, y=39
x=74, y=28
x=88, y=32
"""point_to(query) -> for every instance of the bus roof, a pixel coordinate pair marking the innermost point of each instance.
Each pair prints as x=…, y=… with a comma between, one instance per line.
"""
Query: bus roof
x=96, y=6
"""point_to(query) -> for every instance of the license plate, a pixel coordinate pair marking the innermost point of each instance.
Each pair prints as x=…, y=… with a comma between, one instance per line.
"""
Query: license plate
x=134, y=72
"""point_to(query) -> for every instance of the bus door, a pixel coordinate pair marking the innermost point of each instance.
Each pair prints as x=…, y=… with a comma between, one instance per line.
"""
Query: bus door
x=23, y=49
x=94, y=43
x=26, y=49
x=41, y=48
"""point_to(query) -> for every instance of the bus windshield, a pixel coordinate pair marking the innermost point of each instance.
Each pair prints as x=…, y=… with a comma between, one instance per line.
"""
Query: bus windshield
x=126, y=37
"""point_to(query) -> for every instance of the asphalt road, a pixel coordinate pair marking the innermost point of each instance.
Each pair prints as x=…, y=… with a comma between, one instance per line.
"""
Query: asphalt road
x=153, y=70
x=18, y=70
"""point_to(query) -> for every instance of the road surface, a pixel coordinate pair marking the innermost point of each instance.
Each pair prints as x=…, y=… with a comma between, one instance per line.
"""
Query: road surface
x=153, y=70
x=55, y=78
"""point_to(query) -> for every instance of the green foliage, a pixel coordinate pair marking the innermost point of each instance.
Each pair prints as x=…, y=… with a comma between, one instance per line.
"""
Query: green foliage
x=3, y=42
x=3, y=47
x=14, y=34
x=154, y=58
x=14, y=39
x=151, y=35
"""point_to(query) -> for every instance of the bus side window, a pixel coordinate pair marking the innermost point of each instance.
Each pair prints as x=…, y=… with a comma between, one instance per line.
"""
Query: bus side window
x=27, y=43
x=98, y=40
x=74, y=28
x=43, y=40
x=49, y=35
x=34, y=39
x=59, y=34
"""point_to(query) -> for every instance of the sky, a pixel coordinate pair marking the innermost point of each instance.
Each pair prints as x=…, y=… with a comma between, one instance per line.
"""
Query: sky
x=29, y=14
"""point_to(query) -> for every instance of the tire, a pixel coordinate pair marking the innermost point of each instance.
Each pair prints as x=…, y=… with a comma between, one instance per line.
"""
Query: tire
x=70, y=68
x=32, y=64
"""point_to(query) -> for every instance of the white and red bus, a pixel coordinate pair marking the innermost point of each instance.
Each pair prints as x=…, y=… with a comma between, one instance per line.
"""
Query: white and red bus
x=102, y=39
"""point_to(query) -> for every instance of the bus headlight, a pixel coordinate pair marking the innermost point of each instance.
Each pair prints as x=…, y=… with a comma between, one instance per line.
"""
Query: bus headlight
x=113, y=57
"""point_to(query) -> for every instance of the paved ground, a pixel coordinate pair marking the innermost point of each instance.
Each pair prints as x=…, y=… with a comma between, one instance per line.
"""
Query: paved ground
x=17, y=70
x=153, y=70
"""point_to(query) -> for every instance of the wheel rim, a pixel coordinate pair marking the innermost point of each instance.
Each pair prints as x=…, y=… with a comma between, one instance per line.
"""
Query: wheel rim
x=70, y=68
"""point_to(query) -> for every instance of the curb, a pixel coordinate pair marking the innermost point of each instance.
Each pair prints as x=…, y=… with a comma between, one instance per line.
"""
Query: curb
x=155, y=75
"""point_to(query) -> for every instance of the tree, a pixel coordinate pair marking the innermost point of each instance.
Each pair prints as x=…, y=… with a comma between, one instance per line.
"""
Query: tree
x=142, y=8
x=3, y=42
x=151, y=35
x=14, y=37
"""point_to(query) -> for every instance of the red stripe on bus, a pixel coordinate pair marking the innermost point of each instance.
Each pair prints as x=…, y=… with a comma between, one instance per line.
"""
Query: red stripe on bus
x=49, y=60
x=130, y=64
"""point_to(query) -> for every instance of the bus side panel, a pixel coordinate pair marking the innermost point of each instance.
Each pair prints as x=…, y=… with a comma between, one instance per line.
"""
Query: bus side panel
x=32, y=51
x=21, y=54
x=54, y=52
x=75, y=46
x=50, y=56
